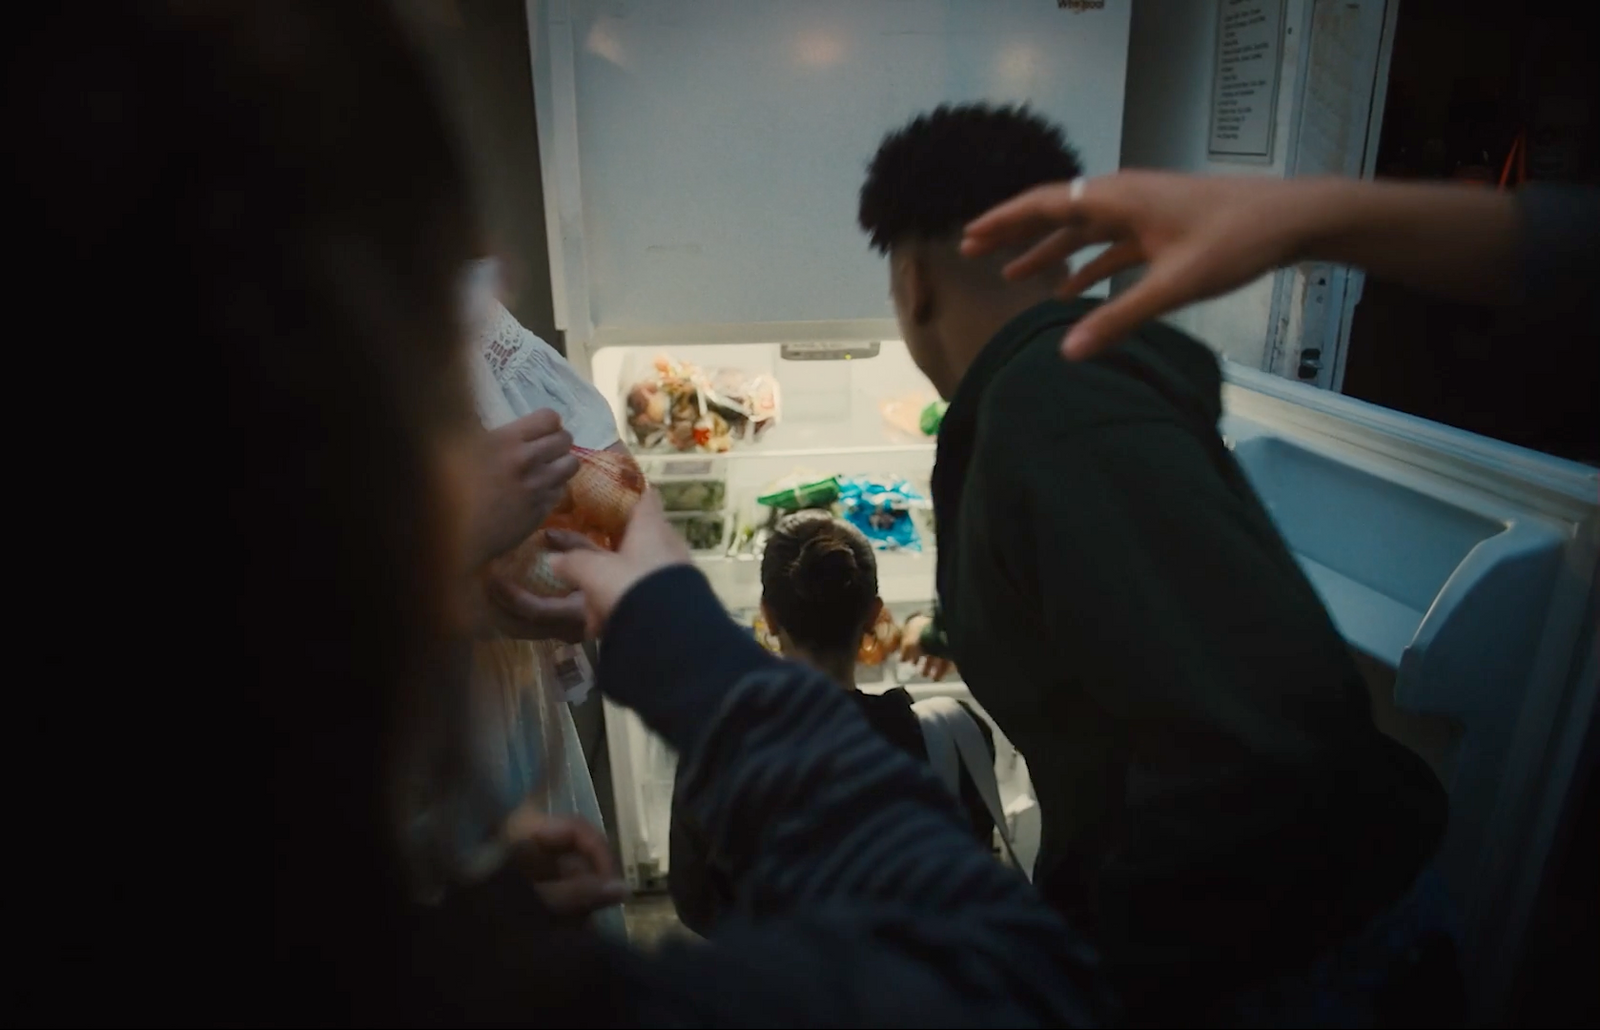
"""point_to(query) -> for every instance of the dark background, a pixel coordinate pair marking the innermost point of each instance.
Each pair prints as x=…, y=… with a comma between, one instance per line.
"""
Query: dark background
x=1467, y=77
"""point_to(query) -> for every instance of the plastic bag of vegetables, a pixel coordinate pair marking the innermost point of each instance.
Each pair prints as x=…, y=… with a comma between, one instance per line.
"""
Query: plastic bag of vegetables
x=677, y=405
x=596, y=503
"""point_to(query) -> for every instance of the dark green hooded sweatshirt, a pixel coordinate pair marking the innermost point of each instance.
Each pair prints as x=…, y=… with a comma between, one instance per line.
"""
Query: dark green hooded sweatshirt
x=1218, y=804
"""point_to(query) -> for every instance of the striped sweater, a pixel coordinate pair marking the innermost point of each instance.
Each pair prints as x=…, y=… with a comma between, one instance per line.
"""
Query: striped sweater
x=861, y=898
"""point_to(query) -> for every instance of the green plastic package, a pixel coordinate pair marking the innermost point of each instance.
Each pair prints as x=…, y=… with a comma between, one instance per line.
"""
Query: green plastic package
x=819, y=494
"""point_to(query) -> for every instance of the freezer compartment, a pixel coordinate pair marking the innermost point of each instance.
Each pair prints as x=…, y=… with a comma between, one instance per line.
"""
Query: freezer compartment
x=741, y=214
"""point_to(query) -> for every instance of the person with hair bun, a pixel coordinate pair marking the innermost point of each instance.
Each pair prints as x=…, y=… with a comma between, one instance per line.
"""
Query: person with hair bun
x=819, y=596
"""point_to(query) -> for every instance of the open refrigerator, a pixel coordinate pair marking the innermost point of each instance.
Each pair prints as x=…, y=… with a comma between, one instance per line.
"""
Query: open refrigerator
x=833, y=423
x=700, y=162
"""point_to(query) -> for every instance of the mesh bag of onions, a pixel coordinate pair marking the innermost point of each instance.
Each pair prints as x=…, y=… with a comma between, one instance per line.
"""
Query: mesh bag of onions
x=597, y=503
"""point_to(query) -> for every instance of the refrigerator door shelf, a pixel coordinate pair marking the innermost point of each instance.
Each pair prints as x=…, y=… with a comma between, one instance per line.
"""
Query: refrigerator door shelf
x=1402, y=571
x=1461, y=570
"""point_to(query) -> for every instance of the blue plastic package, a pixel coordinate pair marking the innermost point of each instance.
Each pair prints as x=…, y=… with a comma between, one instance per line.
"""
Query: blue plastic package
x=881, y=508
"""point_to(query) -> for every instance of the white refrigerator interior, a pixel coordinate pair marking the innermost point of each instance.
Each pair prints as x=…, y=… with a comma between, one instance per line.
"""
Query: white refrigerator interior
x=701, y=160
x=701, y=163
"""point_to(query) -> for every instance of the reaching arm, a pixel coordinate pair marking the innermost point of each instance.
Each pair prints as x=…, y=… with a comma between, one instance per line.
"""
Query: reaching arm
x=859, y=897
x=925, y=643
x=1538, y=246
x=1203, y=236
x=1455, y=241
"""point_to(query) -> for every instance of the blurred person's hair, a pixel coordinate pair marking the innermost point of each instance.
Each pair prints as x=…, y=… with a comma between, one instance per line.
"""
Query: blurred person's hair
x=269, y=187
x=945, y=168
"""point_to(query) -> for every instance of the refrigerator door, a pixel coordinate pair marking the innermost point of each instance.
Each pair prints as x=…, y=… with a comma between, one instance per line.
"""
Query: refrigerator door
x=1462, y=572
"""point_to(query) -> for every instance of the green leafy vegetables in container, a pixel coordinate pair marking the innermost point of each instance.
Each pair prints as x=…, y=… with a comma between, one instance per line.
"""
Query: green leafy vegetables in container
x=692, y=494
x=703, y=531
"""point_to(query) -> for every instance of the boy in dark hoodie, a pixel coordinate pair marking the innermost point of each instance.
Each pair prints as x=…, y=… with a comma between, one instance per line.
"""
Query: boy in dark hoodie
x=1220, y=811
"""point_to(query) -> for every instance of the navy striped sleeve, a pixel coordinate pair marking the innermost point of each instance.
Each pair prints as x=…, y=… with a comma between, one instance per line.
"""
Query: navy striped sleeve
x=859, y=896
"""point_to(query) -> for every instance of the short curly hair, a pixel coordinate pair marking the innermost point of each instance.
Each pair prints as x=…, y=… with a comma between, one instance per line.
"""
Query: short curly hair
x=946, y=168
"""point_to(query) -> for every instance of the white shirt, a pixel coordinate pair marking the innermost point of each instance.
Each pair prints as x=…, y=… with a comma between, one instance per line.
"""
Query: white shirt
x=516, y=373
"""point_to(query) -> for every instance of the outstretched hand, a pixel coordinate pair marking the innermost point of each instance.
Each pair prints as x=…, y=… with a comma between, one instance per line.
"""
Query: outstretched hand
x=1200, y=237
x=517, y=612
x=568, y=861
x=649, y=544
x=526, y=466
x=931, y=666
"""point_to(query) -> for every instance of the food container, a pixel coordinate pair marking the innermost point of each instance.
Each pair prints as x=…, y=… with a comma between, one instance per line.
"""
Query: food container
x=705, y=531
x=692, y=494
x=688, y=484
